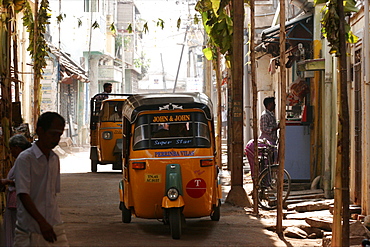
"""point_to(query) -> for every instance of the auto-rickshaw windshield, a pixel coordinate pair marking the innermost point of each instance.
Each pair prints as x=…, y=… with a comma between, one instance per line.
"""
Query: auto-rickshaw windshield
x=111, y=111
x=192, y=131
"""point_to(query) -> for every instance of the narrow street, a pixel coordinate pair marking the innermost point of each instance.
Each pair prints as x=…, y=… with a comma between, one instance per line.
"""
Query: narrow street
x=89, y=206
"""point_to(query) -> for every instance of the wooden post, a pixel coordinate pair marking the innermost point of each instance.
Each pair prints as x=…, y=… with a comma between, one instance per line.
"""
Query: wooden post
x=219, y=119
x=341, y=190
x=6, y=97
x=237, y=195
x=279, y=219
x=15, y=61
x=254, y=105
x=345, y=129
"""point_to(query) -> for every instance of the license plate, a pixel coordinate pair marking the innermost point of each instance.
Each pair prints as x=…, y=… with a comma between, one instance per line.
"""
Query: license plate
x=153, y=178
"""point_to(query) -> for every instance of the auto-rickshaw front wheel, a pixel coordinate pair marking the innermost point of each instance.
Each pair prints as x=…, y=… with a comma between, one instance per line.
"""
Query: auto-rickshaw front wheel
x=216, y=214
x=174, y=216
x=126, y=213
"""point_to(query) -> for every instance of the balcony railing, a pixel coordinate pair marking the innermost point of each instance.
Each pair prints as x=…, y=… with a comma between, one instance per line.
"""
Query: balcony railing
x=110, y=73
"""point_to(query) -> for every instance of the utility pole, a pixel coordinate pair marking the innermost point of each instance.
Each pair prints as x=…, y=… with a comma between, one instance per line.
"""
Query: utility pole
x=163, y=76
x=182, y=52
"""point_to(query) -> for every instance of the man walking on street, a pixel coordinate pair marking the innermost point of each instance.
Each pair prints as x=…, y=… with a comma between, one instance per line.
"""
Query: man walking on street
x=37, y=180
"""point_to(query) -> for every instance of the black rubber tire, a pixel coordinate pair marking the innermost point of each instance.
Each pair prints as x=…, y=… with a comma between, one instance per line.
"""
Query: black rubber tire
x=126, y=213
x=117, y=166
x=174, y=216
x=267, y=188
x=216, y=214
x=94, y=165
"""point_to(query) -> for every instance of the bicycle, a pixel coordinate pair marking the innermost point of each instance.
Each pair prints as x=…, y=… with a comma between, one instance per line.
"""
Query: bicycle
x=268, y=177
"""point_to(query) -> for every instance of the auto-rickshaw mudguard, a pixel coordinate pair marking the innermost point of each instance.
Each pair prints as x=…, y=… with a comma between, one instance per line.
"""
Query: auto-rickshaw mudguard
x=173, y=180
x=178, y=203
x=118, y=147
x=120, y=190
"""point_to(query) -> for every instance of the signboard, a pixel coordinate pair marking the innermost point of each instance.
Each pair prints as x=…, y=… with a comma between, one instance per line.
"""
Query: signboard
x=49, y=88
x=171, y=118
x=194, y=84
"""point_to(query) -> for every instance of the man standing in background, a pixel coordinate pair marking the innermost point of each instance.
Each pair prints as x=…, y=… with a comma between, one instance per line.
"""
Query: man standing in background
x=268, y=127
x=268, y=124
x=107, y=90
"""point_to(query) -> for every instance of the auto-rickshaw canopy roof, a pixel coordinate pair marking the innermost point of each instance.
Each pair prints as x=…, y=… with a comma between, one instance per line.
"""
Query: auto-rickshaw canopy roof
x=170, y=101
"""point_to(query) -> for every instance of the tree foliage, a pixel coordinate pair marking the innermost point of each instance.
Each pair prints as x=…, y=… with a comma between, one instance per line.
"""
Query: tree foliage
x=330, y=23
x=143, y=63
x=218, y=25
x=38, y=51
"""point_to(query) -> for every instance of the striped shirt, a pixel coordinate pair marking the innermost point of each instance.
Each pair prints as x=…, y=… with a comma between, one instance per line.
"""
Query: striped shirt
x=267, y=124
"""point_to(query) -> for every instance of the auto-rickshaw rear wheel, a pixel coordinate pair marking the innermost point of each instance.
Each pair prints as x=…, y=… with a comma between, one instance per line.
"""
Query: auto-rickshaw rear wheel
x=117, y=166
x=216, y=214
x=94, y=165
x=126, y=213
x=174, y=216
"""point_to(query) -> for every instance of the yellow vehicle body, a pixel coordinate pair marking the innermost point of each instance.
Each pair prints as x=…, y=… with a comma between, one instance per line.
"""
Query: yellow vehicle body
x=170, y=163
x=144, y=189
x=106, y=145
x=106, y=132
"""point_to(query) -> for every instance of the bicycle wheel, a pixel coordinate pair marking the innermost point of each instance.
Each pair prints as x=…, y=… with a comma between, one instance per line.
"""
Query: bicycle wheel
x=267, y=187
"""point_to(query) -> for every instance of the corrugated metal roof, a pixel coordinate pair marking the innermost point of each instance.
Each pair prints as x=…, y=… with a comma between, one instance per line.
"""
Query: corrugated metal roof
x=68, y=66
x=272, y=34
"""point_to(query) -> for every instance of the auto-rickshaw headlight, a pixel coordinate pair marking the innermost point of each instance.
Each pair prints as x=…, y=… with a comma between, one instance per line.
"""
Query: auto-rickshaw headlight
x=107, y=135
x=172, y=194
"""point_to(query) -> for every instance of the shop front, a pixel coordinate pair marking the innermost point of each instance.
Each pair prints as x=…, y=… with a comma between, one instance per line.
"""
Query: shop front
x=299, y=110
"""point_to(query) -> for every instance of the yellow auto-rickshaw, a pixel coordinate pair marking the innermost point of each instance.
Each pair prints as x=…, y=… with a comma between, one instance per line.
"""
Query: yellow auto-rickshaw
x=169, y=159
x=106, y=130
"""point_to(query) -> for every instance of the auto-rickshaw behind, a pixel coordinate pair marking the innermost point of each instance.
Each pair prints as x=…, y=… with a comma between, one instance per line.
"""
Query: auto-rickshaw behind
x=169, y=162
x=106, y=130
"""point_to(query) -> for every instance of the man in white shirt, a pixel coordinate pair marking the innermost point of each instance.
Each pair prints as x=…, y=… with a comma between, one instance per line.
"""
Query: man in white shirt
x=37, y=179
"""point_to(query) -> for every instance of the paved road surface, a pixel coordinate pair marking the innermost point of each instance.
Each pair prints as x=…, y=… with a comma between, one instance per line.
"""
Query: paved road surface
x=89, y=205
